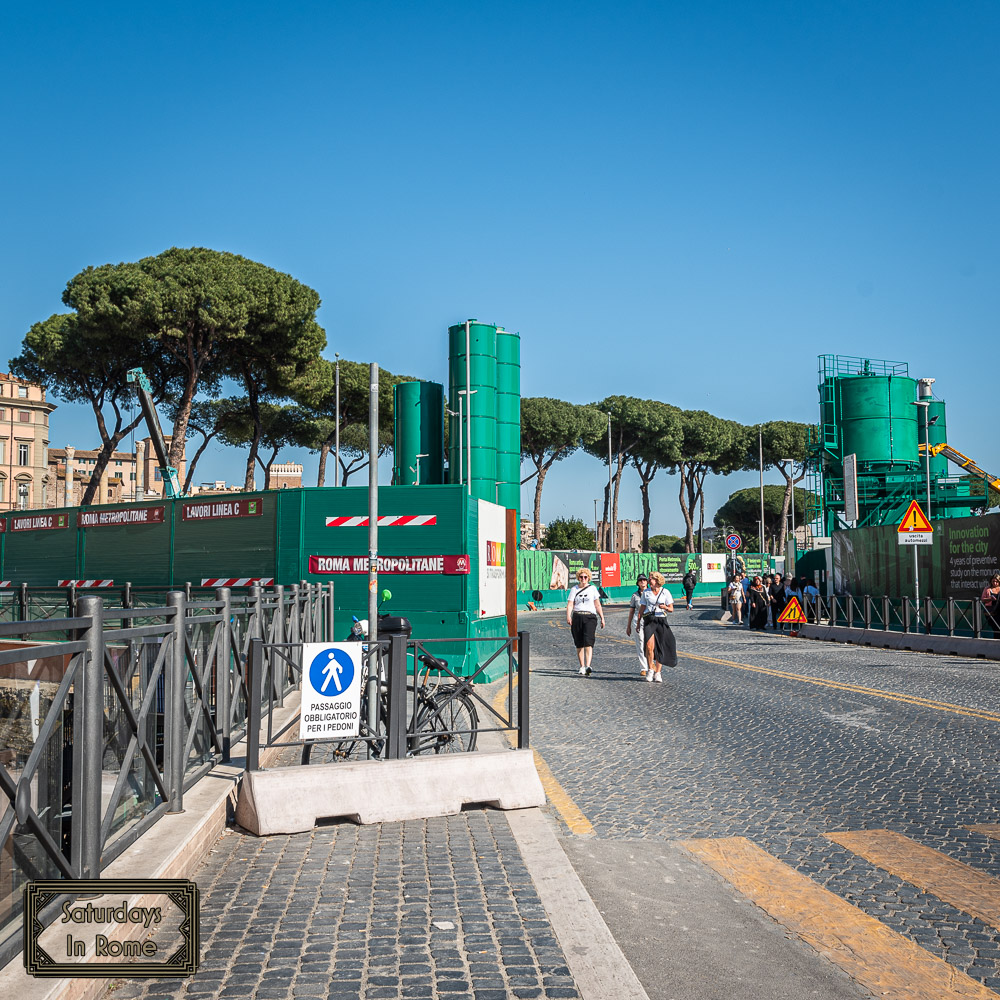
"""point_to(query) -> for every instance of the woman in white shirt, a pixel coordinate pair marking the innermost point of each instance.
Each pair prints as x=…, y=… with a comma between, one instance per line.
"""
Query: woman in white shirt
x=582, y=611
x=661, y=647
x=635, y=609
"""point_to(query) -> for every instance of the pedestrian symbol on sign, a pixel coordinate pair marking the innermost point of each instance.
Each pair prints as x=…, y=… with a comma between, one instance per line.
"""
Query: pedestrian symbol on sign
x=331, y=672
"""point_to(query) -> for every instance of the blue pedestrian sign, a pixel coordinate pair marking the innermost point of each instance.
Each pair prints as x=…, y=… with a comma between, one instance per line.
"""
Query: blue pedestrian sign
x=331, y=690
x=733, y=541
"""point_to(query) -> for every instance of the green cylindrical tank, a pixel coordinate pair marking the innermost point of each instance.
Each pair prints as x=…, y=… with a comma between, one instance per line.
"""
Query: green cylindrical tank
x=878, y=421
x=479, y=425
x=418, y=421
x=508, y=419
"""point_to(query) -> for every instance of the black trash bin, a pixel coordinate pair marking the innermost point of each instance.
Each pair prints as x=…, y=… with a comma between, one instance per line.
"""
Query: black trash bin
x=390, y=625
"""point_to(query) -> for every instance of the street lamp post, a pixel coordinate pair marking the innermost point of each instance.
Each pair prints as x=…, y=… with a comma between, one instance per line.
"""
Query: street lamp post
x=336, y=428
x=417, y=470
x=926, y=406
x=611, y=520
x=596, y=539
x=760, y=445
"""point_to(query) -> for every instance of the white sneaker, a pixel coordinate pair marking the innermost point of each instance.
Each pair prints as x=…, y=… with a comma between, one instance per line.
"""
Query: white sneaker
x=583, y=671
x=649, y=677
x=657, y=678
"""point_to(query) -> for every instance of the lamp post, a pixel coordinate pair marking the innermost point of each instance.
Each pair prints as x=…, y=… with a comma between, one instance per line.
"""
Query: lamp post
x=925, y=405
x=791, y=472
x=336, y=428
x=458, y=413
x=597, y=541
x=468, y=420
x=611, y=520
x=760, y=445
x=424, y=455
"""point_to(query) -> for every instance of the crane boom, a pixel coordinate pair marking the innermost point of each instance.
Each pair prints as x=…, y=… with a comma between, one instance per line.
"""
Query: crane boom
x=171, y=483
x=954, y=455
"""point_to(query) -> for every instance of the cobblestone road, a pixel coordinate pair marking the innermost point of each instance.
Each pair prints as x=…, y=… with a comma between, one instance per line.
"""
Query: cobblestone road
x=726, y=749
x=424, y=909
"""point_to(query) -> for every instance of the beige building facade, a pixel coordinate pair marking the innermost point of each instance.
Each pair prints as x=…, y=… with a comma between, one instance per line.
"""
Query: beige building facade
x=25, y=479
x=127, y=476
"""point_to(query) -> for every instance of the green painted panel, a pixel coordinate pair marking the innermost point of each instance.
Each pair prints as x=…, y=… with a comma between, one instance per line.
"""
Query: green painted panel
x=226, y=547
x=288, y=540
x=41, y=558
x=136, y=553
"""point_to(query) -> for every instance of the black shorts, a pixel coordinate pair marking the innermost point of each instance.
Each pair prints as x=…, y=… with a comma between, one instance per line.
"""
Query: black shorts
x=584, y=630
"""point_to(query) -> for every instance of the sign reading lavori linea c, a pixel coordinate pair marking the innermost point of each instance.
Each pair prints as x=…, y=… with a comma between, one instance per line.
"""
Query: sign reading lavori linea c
x=38, y=522
x=212, y=510
x=123, y=515
x=915, y=528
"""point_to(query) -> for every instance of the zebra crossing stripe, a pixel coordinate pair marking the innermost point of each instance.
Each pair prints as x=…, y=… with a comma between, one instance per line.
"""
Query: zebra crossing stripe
x=385, y=521
x=954, y=882
x=880, y=959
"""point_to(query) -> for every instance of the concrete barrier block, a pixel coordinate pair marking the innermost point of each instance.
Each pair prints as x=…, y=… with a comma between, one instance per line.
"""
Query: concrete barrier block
x=293, y=799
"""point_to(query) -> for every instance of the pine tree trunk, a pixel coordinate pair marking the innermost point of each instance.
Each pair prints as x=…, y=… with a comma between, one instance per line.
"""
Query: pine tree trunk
x=538, y=502
x=323, y=452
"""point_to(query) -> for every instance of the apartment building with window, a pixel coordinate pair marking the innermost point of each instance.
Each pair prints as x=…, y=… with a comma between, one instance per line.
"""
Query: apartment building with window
x=127, y=476
x=25, y=480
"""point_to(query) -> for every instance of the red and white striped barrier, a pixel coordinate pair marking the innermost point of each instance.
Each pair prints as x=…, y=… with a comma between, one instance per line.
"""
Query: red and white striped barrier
x=5, y=583
x=86, y=584
x=238, y=581
x=387, y=521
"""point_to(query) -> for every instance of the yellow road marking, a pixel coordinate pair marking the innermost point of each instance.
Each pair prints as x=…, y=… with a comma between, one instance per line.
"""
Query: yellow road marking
x=991, y=830
x=880, y=959
x=938, y=706
x=956, y=883
x=570, y=812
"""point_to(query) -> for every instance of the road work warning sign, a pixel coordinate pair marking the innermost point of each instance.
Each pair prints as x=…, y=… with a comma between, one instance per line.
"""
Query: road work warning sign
x=915, y=529
x=792, y=615
x=331, y=690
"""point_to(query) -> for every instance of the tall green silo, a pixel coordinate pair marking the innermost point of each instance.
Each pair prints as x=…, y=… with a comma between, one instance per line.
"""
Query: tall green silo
x=878, y=422
x=936, y=426
x=508, y=419
x=476, y=369
x=418, y=422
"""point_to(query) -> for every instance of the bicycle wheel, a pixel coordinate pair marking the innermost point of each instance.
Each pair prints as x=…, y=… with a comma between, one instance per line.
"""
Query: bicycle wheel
x=446, y=722
x=356, y=748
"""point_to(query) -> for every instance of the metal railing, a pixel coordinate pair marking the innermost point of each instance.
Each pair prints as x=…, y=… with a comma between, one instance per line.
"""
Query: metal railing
x=951, y=616
x=108, y=715
x=408, y=707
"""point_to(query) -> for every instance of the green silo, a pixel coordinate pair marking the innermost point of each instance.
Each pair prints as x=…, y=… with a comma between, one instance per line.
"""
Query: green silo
x=508, y=419
x=477, y=369
x=418, y=422
x=878, y=422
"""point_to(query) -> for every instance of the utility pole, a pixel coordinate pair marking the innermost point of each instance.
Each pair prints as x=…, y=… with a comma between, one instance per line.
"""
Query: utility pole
x=336, y=429
x=611, y=499
x=760, y=446
x=373, y=673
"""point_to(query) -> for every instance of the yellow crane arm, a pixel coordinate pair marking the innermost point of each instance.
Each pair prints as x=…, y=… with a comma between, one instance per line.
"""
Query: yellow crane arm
x=963, y=461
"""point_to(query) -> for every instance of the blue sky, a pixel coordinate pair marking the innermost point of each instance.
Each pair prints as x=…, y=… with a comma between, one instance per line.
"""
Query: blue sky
x=678, y=201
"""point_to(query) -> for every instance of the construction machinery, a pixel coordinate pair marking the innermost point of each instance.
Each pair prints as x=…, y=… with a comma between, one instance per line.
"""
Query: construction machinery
x=171, y=481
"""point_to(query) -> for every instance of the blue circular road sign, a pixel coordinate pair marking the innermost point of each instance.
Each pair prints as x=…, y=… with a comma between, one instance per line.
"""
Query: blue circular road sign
x=733, y=541
x=331, y=672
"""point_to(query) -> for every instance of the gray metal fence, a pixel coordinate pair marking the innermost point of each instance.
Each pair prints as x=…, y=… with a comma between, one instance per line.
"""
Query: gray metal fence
x=109, y=714
x=930, y=616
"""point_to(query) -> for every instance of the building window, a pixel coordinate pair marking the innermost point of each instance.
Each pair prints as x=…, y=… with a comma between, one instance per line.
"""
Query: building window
x=22, y=455
x=3, y=487
x=118, y=463
x=157, y=476
x=22, y=495
x=132, y=476
x=111, y=494
x=3, y=451
x=22, y=392
x=24, y=416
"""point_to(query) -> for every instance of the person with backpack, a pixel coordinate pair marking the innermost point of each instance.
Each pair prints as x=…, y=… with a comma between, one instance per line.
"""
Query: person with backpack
x=690, y=582
x=735, y=595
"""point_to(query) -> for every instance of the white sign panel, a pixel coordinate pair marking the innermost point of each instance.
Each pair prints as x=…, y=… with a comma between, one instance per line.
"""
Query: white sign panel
x=492, y=560
x=851, y=510
x=713, y=568
x=915, y=537
x=331, y=690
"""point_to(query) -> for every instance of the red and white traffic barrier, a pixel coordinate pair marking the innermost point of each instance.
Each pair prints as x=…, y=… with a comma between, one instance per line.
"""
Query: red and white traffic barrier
x=387, y=521
x=238, y=581
x=5, y=583
x=86, y=584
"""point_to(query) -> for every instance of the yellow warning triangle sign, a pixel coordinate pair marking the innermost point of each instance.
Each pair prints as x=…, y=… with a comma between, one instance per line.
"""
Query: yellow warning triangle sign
x=914, y=520
x=792, y=615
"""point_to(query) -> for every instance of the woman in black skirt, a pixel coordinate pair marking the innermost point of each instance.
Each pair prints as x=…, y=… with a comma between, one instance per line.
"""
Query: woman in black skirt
x=661, y=648
x=758, y=603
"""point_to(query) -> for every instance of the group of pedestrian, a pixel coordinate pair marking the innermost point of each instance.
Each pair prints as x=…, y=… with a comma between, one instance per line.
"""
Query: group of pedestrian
x=649, y=606
x=762, y=599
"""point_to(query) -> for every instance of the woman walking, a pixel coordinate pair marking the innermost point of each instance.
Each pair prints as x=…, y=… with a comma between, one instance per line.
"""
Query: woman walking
x=661, y=647
x=736, y=600
x=635, y=609
x=759, y=602
x=991, y=603
x=582, y=611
